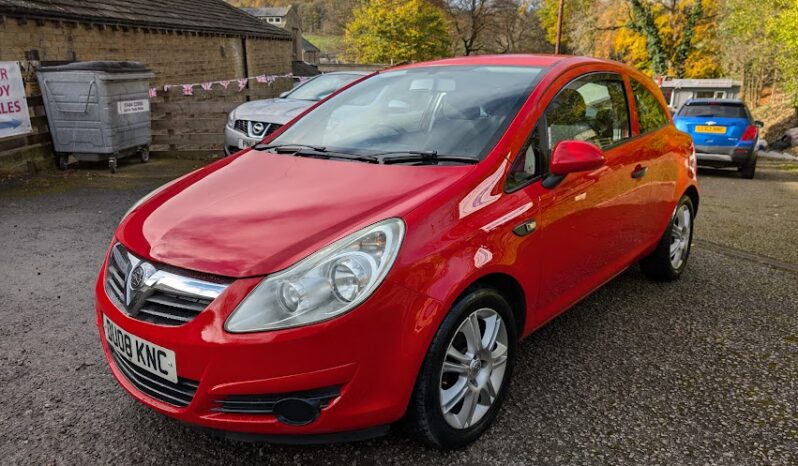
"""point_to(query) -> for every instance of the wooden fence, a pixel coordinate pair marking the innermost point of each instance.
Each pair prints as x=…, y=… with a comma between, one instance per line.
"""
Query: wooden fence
x=193, y=126
x=26, y=152
x=182, y=126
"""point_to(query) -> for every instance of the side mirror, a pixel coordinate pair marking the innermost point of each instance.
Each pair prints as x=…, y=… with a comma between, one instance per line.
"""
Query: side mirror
x=571, y=157
x=575, y=156
x=283, y=95
x=759, y=124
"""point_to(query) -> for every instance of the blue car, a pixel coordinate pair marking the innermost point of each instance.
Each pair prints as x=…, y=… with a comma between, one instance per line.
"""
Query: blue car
x=723, y=131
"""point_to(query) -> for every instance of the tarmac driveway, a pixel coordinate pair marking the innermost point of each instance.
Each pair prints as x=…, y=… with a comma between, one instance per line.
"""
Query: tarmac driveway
x=702, y=371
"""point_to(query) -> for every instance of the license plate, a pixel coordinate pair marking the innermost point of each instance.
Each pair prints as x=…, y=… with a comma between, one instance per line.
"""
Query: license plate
x=148, y=356
x=243, y=143
x=710, y=129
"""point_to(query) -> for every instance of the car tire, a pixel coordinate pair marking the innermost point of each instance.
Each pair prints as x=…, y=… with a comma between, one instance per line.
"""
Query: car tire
x=484, y=383
x=669, y=260
x=749, y=171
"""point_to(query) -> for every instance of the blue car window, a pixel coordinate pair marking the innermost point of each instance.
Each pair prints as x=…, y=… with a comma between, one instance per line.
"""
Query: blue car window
x=714, y=110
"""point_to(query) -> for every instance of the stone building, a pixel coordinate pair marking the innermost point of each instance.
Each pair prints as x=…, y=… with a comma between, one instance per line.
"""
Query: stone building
x=182, y=41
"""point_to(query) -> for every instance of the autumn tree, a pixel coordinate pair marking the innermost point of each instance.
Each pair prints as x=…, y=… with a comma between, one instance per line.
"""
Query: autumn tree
x=390, y=31
x=673, y=37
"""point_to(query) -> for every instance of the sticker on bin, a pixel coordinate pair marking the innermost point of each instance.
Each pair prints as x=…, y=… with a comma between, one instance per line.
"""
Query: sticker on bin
x=133, y=106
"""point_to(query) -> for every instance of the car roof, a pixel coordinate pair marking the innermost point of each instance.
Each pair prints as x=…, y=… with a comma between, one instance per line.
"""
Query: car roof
x=715, y=101
x=537, y=60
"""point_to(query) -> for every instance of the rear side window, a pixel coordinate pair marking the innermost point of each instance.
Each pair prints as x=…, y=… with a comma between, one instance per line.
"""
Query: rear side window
x=592, y=108
x=649, y=111
x=714, y=110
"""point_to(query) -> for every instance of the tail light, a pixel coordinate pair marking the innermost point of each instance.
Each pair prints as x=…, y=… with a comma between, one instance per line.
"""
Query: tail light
x=749, y=134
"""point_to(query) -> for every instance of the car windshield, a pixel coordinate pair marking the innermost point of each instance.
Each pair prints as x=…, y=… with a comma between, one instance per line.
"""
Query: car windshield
x=441, y=110
x=321, y=87
x=714, y=110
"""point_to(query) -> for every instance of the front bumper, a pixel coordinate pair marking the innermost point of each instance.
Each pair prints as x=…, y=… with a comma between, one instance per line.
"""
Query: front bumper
x=371, y=355
x=725, y=156
x=235, y=140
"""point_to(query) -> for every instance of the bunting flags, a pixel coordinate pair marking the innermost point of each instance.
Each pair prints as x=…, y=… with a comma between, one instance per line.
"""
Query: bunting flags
x=188, y=89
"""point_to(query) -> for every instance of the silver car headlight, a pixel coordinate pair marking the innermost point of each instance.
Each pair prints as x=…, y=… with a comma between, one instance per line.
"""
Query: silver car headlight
x=231, y=119
x=324, y=285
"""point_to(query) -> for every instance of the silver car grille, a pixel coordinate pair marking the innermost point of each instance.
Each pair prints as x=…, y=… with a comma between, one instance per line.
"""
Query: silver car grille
x=151, y=294
x=256, y=129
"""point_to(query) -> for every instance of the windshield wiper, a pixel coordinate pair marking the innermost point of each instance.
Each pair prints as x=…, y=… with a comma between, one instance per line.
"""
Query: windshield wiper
x=289, y=147
x=319, y=152
x=424, y=156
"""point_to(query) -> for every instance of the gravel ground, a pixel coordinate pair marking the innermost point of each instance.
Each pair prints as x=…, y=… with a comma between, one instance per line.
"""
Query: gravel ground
x=759, y=215
x=702, y=371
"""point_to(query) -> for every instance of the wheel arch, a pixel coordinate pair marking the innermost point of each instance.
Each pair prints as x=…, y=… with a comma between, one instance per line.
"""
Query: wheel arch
x=508, y=287
x=692, y=193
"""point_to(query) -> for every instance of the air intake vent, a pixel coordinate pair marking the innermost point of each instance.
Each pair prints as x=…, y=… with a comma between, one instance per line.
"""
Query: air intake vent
x=178, y=394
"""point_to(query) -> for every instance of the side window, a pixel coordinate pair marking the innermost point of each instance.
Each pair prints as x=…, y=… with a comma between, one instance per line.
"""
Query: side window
x=649, y=111
x=527, y=164
x=592, y=108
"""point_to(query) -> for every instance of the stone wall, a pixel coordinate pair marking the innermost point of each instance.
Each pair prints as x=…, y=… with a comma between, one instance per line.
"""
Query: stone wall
x=175, y=58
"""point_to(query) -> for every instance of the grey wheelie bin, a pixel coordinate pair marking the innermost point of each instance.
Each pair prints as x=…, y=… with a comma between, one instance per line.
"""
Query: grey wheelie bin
x=98, y=110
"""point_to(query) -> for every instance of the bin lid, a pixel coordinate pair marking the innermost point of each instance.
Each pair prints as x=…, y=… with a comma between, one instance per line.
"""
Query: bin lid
x=103, y=66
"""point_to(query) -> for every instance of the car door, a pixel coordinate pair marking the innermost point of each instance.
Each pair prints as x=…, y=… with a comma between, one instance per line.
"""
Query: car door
x=588, y=220
x=654, y=150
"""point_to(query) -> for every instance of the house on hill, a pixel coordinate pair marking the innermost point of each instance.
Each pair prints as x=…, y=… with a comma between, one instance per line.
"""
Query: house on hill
x=287, y=18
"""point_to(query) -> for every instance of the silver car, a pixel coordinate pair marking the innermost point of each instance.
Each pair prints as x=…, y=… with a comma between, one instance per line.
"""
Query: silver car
x=249, y=123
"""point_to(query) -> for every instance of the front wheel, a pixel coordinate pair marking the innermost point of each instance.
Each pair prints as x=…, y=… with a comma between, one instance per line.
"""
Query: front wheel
x=466, y=372
x=669, y=260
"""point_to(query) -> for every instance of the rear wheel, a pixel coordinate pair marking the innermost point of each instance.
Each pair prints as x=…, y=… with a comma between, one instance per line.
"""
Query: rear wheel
x=466, y=372
x=669, y=260
x=63, y=161
x=749, y=171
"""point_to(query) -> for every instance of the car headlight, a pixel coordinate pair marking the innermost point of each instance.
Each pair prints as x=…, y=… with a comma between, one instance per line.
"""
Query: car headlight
x=231, y=118
x=324, y=285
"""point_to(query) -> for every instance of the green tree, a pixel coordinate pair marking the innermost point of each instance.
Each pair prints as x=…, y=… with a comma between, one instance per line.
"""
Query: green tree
x=391, y=31
x=783, y=27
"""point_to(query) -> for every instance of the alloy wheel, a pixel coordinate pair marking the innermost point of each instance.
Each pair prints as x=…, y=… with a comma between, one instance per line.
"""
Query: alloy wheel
x=473, y=368
x=680, y=236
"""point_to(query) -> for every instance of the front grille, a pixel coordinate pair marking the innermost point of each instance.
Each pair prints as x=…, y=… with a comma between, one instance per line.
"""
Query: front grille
x=171, y=299
x=264, y=404
x=171, y=309
x=249, y=128
x=242, y=125
x=177, y=394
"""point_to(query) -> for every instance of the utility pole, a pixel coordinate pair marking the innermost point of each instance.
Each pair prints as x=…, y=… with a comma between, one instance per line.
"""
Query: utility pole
x=559, y=28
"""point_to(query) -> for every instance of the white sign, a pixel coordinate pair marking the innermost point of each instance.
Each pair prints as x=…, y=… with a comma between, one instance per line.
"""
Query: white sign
x=14, y=116
x=133, y=106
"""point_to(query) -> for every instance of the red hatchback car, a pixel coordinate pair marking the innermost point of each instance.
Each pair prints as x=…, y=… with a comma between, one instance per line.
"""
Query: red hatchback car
x=380, y=257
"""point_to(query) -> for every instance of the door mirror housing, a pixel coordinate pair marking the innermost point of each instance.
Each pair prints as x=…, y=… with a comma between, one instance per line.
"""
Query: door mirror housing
x=759, y=124
x=284, y=94
x=575, y=156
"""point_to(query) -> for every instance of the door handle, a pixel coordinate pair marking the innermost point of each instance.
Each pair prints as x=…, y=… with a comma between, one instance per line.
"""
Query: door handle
x=525, y=228
x=639, y=172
